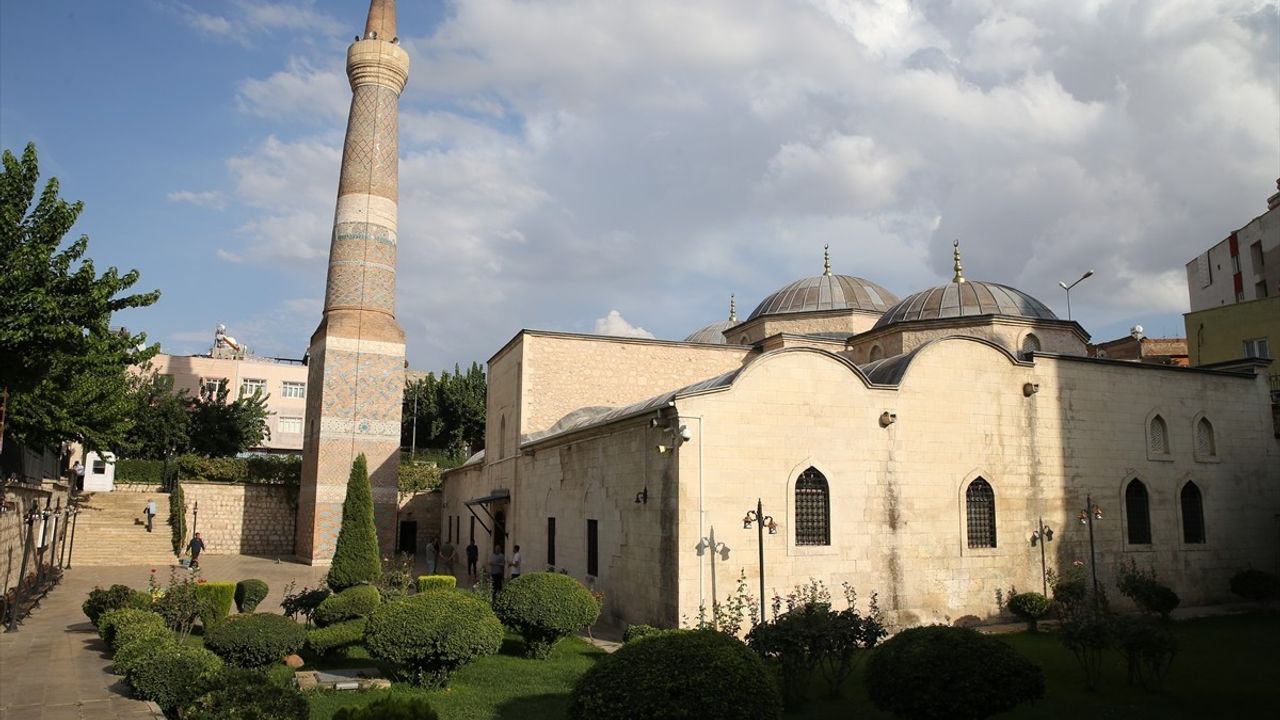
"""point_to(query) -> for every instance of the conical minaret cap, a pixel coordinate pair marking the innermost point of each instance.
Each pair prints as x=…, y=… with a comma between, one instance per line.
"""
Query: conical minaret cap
x=382, y=20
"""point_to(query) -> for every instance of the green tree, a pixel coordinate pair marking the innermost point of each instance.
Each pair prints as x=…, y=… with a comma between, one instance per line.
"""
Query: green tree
x=221, y=429
x=450, y=411
x=162, y=419
x=62, y=369
x=355, y=558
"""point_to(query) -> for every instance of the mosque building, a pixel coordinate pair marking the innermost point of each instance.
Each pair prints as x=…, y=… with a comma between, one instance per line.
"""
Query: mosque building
x=907, y=447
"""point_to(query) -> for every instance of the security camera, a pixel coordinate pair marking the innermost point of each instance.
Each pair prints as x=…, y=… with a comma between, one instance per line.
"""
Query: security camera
x=685, y=434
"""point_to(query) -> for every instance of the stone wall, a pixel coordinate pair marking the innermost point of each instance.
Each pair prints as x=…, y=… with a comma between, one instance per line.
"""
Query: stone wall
x=238, y=519
x=13, y=531
x=424, y=509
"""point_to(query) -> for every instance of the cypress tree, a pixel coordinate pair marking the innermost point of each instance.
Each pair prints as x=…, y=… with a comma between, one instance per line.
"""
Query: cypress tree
x=355, y=559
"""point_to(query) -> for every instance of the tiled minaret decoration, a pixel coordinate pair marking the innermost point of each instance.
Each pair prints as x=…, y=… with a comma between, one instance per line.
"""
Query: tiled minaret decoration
x=355, y=380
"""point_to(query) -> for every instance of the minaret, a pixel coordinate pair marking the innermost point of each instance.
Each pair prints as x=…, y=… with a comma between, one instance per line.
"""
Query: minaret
x=356, y=374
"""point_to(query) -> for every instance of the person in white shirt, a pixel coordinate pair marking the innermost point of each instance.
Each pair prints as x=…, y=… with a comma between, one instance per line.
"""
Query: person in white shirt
x=515, y=562
x=150, y=512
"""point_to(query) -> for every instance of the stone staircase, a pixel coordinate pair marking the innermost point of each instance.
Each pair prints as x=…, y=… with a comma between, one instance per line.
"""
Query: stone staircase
x=111, y=530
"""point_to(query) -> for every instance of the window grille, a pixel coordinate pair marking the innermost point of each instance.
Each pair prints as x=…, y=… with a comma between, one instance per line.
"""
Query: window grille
x=980, y=503
x=1159, y=436
x=1192, y=514
x=1204, y=438
x=1030, y=343
x=813, y=509
x=876, y=353
x=1137, y=508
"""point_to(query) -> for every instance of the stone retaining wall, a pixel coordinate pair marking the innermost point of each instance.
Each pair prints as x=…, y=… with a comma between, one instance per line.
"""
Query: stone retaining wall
x=235, y=519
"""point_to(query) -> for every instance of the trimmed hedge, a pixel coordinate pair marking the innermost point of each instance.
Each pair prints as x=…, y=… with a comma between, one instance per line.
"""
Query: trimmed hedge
x=354, y=602
x=337, y=636
x=255, y=639
x=117, y=624
x=259, y=469
x=429, y=636
x=690, y=674
x=950, y=672
x=544, y=607
x=427, y=583
x=140, y=472
x=138, y=648
x=390, y=708
x=215, y=601
x=117, y=596
x=237, y=694
x=635, y=632
x=249, y=593
x=355, y=556
x=173, y=674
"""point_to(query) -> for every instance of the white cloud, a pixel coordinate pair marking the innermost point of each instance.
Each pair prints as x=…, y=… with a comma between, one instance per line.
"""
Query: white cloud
x=251, y=17
x=299, y=92
x=616, y=325
x=212, y=199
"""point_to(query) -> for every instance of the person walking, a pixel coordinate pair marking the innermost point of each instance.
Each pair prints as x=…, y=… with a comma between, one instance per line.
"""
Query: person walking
x=515, y=562
x=497, y=564
x=150, y=512
x=431, y=556
x=473, y=557
x=195, y=547
x=78, y=470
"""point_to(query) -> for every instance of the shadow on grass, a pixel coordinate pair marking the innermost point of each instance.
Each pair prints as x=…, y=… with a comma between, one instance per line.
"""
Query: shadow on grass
x=532, y=707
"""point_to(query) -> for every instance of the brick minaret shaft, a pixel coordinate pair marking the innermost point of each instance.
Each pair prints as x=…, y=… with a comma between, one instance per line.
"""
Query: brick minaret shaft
x=355, y=380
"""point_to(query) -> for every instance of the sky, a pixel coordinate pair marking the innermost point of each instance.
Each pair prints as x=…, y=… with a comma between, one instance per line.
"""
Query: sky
x=623, y=167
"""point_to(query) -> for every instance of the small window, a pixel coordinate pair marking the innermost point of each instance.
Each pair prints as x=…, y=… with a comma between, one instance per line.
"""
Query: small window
x=293, y=389
x=1030, y=344
x=877, y=353
x=99, y=467
x=1137, y=507
x=502, y=438
x=551, y=542
x=210, y=387
x=593, y=548
x=1259, y=260
x=1192, y=514
x=164, y=382
x=289, y=425
x=1260, y=290
x=1257, y=348
x=472, y=538
x=252, y=386
x=1206, y=446
x=1235, y=263
x=813, y=509
x=980, y=510
x=1158, y=436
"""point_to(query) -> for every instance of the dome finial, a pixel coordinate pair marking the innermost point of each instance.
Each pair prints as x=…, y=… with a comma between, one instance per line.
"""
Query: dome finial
x=826, y=259
x=733, y=308
x=959, y=278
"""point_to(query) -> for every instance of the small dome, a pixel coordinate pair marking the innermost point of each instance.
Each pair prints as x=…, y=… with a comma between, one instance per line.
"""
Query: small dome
x=712, y=334
x=965, y=299
x=826, y=292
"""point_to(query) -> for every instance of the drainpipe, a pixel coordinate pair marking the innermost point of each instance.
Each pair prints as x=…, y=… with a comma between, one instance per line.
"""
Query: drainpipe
x=701, y=532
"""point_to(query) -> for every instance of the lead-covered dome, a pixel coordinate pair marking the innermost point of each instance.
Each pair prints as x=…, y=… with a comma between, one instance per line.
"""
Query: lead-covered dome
x=964, y=299
x=713, y=334
x=826, y=292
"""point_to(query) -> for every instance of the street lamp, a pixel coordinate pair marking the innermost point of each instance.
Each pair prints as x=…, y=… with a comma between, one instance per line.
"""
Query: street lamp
x=716, y=548
x=761, y=521
x=1041, y=536
x=1087, y=516
x=28, y=519
x=1067, y=287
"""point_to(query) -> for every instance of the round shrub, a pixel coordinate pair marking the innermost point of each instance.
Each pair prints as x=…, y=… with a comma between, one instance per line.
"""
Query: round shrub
x=134, y=627
x=237, y=694
x=173, y=674
x=429, y=636
x=101, y=600
x=687, y=674
x=1255, y=585
x=255, y=639
x=390, y=708
x=544, y=607
x=142, y=643
x=635, y=632
x=354, y=602
x=950, y=672
x=427, y=583
x=249, y=593
x=1030, y=606
x=339, y=635
x=110, y=621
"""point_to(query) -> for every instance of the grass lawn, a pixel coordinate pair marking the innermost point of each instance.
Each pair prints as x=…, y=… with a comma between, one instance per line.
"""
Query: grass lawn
x=1226, y=667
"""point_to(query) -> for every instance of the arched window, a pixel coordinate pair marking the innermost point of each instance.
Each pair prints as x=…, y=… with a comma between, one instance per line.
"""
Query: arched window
x=1030, y=343
x=1192, y=514
x=813, y=509
x=980, y=507
x=1137, y=509
x=1205, y=445
x=1158, y=436
x=877, y=353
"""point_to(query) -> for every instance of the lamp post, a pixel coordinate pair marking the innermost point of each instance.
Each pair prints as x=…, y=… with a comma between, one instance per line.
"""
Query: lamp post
x=75, y=513
x=761, y=521
x=1087, y=516
x=1042, y=535
x=29, y=519
x=1067, y=287
x=195, y=515
x=716, y=548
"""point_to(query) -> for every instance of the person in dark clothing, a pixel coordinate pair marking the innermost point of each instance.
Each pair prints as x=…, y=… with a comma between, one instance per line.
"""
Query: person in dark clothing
x=473, y=557
x=497, y=567
x=195, y=547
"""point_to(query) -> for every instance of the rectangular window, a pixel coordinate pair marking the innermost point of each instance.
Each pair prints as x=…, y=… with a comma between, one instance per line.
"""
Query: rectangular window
x=1255, y=253
x=1206, y=270
x=473, y=529
x=593, y=548
x=1235, y=263
x=99, y=467
x=210, y=387
x=289, y=425
x=293, y=389
x=1257, y=348
x=252, y=386
x=551, y=542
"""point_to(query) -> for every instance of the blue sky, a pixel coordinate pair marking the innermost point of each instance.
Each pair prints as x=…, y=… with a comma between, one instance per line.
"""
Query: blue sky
x=563, y=160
